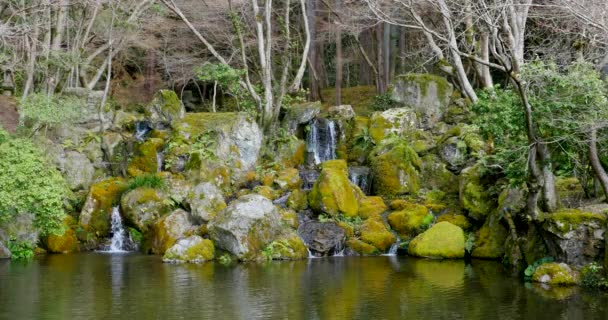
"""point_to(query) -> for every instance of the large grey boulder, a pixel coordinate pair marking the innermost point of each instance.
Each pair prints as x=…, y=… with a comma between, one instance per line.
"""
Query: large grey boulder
x=141, y=207
x=246, y=226
x=204, y=201
x=300, y=114
x=91, y=116
x=193, y=249
x=21, y=228
x=399, y=122
x=165, y=108
x=170, y=228
x=322, y=239
x=429, y=95
x=454, y=152
x=77, y=170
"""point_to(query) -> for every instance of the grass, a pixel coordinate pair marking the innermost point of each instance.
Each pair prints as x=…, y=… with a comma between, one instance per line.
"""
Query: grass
x=361, y=98
x=147, y=180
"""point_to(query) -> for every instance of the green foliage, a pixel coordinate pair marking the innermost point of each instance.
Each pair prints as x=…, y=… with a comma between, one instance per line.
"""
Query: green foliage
x=135, y=235
x=205, y=144
x=146, y=181
x=44, y=110
x=28, y=184
x=21, y=250
x=226, y=76
x=225, y=259
x=529, y=272
x=363, y=140
x=383, y=102
x=469, y=242
x=594, y=277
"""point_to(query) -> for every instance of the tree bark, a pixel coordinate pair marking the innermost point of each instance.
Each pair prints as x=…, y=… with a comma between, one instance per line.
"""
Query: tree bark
x=339, y=73
x=596, y=164
x=380, y=77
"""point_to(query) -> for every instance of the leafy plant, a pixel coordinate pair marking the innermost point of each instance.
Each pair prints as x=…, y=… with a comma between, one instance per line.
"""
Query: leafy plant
x=205, y=145
x=46, y=110
x=469, y=242
x=383, y=102
x=225, y=259
x=529, y=272
x=21, y=250
x=593, y=276
x=146, y=180
x=363, y=140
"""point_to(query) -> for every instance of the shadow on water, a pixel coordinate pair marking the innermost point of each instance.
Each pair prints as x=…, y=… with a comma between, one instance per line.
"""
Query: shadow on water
x=104, y=286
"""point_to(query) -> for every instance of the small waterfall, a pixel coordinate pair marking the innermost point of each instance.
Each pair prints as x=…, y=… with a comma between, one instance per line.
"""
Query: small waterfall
x=309, y=177
x=321, y=141
x=310, y=254
x=120, y=239
x=393, y=249
x=160, y=161
x=141, y=129
x=361, y=177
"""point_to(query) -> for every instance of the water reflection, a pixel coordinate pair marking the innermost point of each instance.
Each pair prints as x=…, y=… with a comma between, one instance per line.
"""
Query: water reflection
x=141, y=287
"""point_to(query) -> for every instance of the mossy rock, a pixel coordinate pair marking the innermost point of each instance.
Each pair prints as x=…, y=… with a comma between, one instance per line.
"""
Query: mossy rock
x=569, y=191
x=193, y=249
x=371, y=207
x=95, y=215
x=443, y=240
x=375, y=233
x=145, y=158
x=457, y=220
x=165, y=107
x=490, y=240
x=474, y=195
x=168, y=229
x=558, y=274
x=66, y=242
x=267, y=192
x=288, y=179
x=290, y=153
x=298, y=200
x=141, y=207
x=360, y=142
x=398, y=122
x=566, y=220
x=410, y=220
x=289, y=217
x=299, y=114
x=291, y=247
x=333, y=193
x=361, y=247
x=395, y=167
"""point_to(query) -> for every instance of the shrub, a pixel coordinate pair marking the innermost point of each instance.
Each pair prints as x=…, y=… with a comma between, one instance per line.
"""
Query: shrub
x=383, y=102
x=44, y=110
x=28, y=184
x=147, y=181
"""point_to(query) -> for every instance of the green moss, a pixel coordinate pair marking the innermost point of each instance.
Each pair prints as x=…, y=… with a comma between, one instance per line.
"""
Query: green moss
x=333, y=193
x=202, y=251
x=456, y=219
x=361, y=98
x=289, y=217
x=66, y=242
x=559, y=274
x=298, y=200
x=360, y=141
x=474, y=195
x=361, y=247
x=424, y=80
x=395, y=167
x=374, y=232
x=371, y=207
x=443, y=240
x=266, y=191
x=413, y=218
x=290, y=248
x=288, y=179
x=144, y=160
x=569, y=219
x=378, y=128
x=104, y=195
x=490, y=240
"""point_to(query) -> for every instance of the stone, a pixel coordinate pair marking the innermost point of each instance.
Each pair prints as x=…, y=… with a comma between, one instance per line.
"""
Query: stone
x=288, y=179
x=371, y=207
x=204, y=202
x=114, y=149
x=141, y=207
x=288, y=248
x=558, y=274
x=193, y=249
x=165, y=107
x=21, y=228
x=246, y=226
x=490, y=239
x=454, y=152
x=436, y=176
x=429, y=95
x=63, y=243
x=298, y=200
x=333, y=193
x=322, y=239
x=410, y=220
x=344, y=112
x=375, y=233
x=300, y=114
x=473, y=194
x=90, y=115
x=361, y=247
x=77, y=170
x=96, y=212
x=575, y=237
x=443, y=240
x=395, y=169
x=145, y=158
x=398, y=122
x=169, y=229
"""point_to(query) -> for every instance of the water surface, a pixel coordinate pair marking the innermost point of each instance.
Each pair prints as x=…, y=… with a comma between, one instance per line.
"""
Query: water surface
x=132, y=286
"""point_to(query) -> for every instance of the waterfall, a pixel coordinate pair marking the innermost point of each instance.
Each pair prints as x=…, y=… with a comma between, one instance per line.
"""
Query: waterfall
x=141, y=129
x=120, y=238
x=361, y=177
x=321, y=141
x=160, y=160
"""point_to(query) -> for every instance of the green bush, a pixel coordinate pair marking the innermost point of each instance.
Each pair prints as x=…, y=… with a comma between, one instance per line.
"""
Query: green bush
x=44, y=110
x=147, y=181
x=21, y=250
x=592, y=276
x=383, y=102
x=28, y=184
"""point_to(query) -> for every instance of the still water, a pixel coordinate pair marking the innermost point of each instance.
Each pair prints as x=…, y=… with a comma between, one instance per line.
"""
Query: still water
x=131, y=286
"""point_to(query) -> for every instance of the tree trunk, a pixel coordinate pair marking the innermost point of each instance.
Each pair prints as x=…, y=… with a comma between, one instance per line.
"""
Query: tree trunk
x=598, y=169
x=549, y=193
x=380, y=77
x=339, y=65
x=402, y=39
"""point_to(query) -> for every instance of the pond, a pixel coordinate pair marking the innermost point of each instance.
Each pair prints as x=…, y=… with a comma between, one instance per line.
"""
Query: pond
x=104, y=286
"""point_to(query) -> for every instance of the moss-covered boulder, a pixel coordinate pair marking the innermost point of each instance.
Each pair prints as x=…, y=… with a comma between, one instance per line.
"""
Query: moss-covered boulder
x=300, y=114
x=375, y=233
x=569, y=191
x=288, y=179
x=474, y=195
x=395, y=167
x=443, y=240
x=371, y=207
x=145, y=159
x=204, y=202
x=141, y=207
x=456, y=219
x=213, y=141
x=95, y=215
x=558, y=274
x=289, y=217
x=168, y=229
x=361, y=142
x=322, y=238
x=490, y=240
x=246, y=226
x=298, y=200
x=289, y=153
x=410, y=220
x=333, y=193
x=398, y=122
x=361, y=247
x=267, y=192
x=289, y=247
x=165, y=107
x=435, y=175
x=66, y=242
x=429, y=95
x=574, y=236
x=193, y=249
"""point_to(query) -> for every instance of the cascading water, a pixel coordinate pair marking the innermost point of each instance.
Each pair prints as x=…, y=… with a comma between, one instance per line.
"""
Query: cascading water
x=141, y=129
x=120, y=239
x=361, y=177
x=321, y=141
